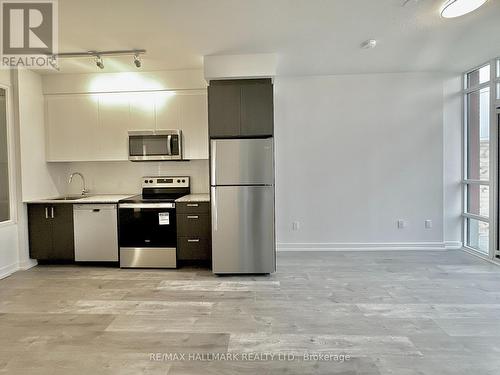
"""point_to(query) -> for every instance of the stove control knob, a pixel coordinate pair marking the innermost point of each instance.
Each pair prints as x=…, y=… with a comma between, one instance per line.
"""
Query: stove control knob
x=145, y=181
x=178, y=181
x=150, y=181
x=183, y=180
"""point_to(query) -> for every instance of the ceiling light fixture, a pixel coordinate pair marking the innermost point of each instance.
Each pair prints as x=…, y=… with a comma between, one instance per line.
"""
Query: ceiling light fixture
x=457, y=8
x=98, y=62
x=406, y=2
x=369, y=44
x=137, y=61
x=98, y=55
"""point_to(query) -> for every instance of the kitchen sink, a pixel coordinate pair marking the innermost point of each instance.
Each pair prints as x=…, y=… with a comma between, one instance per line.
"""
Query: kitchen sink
x=69, y=198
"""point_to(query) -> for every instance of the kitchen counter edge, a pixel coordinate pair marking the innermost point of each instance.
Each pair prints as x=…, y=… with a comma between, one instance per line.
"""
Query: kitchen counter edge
x=194, y=198
x=94, y=199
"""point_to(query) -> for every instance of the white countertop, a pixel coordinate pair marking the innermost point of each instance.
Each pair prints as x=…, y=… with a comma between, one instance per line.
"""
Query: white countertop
x=98, y=198
x=194, y=198
x=114, y=198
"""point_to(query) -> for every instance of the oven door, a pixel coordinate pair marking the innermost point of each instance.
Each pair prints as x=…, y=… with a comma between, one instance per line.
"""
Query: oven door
x=155, y=145
x=147, y=235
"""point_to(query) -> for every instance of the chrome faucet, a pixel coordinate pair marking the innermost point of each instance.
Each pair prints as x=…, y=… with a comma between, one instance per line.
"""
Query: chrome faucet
x=84, y=189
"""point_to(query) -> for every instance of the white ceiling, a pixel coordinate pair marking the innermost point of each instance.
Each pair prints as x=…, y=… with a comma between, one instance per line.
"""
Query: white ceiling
x=310, y=36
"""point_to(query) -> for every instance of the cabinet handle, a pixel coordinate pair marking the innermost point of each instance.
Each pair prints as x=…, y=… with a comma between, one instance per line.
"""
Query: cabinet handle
x=194, y=240
x=46, y=212
x=192, y=204
x=193, y=217
x=52, y=212
x=96, y=210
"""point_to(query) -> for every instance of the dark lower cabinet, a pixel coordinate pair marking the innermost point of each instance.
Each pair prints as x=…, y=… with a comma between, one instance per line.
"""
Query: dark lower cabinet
x=240, y=108
x=193, y=232
x=51, y=232
x=194, y=249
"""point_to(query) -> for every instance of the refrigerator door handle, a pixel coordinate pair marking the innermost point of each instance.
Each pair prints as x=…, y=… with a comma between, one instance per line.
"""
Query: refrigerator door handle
x=215, y=210
x=214, y=158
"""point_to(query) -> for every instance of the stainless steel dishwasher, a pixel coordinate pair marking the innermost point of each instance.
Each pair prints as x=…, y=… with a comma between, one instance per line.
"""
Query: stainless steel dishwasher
x=96, y=233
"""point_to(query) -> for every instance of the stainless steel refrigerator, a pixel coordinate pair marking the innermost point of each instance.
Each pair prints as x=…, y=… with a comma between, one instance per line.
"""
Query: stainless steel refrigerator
x=242, y=198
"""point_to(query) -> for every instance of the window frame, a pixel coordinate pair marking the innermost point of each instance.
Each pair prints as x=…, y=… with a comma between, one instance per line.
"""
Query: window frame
x=10, y=158
x=495, y=123
x=492, y=182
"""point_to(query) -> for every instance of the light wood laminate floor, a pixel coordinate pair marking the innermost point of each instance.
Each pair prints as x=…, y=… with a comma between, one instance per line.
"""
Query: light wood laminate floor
x=400, y=313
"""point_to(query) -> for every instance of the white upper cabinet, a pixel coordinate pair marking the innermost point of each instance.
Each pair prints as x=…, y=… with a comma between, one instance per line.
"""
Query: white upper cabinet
x=71, y=127
x=114, y=123
x=167, y=108
x=142, y=111
x=194, y=124
x=188, y=111
x=94, y=127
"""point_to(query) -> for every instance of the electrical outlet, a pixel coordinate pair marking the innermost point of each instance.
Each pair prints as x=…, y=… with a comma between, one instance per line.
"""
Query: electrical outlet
x=401, y=224
x=428, y=224
x=295, y=225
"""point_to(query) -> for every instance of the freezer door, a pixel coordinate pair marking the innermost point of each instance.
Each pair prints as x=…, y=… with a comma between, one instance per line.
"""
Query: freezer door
x=243, y=239
x=242, y=162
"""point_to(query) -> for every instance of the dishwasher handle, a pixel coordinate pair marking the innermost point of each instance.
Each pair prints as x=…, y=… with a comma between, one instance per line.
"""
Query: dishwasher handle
x=94, y=207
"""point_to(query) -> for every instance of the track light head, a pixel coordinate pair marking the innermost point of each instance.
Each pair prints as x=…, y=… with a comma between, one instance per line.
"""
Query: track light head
x=99, y=62
x=137, y=61
x=53, y=62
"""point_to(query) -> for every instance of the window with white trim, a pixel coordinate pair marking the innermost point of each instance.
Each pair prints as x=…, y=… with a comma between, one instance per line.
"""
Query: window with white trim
x=5, y=214
x=481, y=91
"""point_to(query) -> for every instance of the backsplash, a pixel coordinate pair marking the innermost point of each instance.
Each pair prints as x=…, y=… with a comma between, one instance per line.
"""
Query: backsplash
x=125, y=177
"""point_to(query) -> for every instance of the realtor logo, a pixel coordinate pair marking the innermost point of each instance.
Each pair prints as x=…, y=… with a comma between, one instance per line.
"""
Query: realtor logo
x=28, y=33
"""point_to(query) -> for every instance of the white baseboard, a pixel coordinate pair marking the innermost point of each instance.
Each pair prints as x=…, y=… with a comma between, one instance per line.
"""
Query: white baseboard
x=8, y=270
x=27, y=264
x=453, y=245
x=396, y=246
x=22, y=266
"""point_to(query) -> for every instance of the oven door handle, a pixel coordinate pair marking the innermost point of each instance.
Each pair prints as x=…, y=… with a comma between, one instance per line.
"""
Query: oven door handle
x=146, y=205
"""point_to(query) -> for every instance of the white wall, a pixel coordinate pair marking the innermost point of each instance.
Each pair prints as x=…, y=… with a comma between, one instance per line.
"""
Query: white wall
x=452, y=122
x=39, y=179
x=355, y=153
x=240, y=66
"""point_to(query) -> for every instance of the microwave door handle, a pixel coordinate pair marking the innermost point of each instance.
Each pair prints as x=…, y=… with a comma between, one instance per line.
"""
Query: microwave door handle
x=169, y=145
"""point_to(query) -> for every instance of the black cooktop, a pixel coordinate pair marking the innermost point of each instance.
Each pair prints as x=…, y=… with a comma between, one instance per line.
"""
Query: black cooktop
x=156, y=197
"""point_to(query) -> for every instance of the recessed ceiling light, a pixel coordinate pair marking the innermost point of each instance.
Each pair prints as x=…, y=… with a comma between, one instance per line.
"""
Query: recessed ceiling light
x=457, y=8
x=369, y=44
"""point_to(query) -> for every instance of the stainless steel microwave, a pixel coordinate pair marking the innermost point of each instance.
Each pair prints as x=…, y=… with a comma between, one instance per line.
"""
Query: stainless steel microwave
x=154, y=145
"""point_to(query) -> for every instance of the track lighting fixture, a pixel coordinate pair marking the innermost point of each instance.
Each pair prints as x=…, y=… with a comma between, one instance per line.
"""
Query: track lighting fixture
x=98, y=62
x=137, y=61
x=53, y=62
x=369, y=44
x=98, y=55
